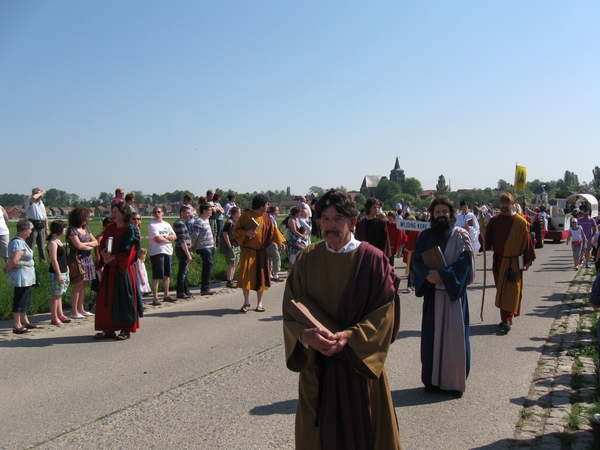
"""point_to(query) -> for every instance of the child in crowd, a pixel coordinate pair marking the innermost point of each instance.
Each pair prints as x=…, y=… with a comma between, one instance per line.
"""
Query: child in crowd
x=58, y=272
x=140, y=267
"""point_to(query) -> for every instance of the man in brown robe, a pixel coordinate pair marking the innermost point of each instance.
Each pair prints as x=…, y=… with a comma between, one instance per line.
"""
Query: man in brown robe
x=344, y=398
x=508, y=235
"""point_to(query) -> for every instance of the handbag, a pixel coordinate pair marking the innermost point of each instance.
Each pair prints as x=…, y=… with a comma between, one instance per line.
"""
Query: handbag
x=577, y=243
x=76, y=270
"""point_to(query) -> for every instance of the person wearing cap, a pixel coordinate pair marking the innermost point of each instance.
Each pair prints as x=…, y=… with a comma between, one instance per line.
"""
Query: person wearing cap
x=508, y=235
x=578, y=241
x=468, y=221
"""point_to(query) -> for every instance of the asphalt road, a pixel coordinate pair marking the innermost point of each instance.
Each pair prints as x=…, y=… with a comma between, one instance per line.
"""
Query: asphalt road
x=200, y=374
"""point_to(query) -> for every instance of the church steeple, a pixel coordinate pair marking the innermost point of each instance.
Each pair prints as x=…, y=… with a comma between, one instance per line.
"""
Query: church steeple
x=397, y=174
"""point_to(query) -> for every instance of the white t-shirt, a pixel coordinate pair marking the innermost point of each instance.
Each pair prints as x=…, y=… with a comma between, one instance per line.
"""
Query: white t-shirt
x=160, y=229
x=3, y=226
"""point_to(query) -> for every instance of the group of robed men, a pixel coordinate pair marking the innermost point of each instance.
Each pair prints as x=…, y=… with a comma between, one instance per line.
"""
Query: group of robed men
x=344, y=396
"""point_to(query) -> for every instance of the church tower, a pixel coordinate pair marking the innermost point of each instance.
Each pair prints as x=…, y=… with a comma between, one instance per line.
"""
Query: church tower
x=397, y=174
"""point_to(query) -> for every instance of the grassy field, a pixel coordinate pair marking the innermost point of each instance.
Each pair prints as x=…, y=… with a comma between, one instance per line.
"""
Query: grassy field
x=40, y=296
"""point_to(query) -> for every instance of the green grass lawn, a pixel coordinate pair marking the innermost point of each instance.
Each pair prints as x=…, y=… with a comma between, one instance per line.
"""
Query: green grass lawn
x=40, y=296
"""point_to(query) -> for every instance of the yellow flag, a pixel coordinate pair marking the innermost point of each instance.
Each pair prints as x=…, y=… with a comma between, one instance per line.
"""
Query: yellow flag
x=520, y=177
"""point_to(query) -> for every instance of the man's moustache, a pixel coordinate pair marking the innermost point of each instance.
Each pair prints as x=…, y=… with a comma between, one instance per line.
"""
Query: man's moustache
x=334, y=232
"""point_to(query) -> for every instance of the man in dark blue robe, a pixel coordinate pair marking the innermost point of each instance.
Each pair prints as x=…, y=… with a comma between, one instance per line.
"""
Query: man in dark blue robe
x=445, y=349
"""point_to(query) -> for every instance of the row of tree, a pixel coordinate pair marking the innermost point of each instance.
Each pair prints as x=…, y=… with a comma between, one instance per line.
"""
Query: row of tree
x=388, y=192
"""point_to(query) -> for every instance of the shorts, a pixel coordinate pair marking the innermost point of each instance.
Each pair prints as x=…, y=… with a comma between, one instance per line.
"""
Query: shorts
x=161, y=266
x=233, y=255
x=4, y=246
x=58, y=289
x=576, y=249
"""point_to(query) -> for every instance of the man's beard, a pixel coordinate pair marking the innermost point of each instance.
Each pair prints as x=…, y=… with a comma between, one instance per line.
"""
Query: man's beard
x=440, y=227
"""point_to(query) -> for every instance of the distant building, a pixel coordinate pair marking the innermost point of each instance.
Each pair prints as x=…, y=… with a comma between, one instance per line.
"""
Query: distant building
x=14, y=212
x=368, y=188
x=369, y=185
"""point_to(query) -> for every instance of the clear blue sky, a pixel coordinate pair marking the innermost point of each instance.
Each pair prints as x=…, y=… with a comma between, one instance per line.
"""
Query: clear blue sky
x=256, y=95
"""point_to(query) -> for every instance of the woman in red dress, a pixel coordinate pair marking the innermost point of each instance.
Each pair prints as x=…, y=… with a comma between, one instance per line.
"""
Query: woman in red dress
x=119, y=303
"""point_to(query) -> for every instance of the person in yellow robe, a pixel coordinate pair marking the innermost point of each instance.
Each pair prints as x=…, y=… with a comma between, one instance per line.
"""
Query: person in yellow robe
x=255, y=231
x=508, y=235
x=344, y=396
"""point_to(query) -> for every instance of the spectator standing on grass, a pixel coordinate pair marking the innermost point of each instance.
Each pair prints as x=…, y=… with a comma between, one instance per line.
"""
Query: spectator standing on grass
x=306, y=222
x=4, y=234
x=36, y=213
x=231, y=245
x=161, y=237
x=58, y=273
x=294, y=234
x=183, y=251
x=130, y=202
x=21, y=275
x=230, y=204
x=187, y=201
x=119, y=197
x=210, y=200
x=218, y=214
x=203, y=242
x=316, y=228
x=273, y=249
x=81, y=244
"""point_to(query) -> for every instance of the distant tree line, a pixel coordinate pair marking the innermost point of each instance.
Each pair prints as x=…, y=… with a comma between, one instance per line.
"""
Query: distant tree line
x=388, y=192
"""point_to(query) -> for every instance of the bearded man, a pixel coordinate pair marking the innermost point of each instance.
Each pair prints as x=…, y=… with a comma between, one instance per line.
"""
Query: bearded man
x=508, y=235
x=344, y=396
x=445, y=347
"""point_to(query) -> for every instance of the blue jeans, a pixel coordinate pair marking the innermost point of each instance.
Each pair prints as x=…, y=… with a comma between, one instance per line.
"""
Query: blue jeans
x=182, y=274
x=207, y=266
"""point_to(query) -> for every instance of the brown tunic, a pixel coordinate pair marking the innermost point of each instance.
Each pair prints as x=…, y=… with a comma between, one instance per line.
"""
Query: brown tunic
x=323, y=277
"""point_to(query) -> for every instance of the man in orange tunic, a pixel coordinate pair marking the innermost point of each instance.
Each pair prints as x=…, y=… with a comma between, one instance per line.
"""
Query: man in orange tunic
x=255, y=231
x=508, y=235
